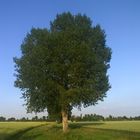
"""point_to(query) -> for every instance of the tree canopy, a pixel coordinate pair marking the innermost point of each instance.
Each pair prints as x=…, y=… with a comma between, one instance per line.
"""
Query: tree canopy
x=63, y=66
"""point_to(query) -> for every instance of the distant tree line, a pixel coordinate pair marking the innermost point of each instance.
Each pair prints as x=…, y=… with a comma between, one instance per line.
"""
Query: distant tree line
x=95, y=117
x=24, y=119
x=121, y=118
x=73, y=118
x=87, y=117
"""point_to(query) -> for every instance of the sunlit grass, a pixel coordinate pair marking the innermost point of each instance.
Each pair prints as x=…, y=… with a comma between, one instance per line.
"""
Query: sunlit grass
x=118, y=125
x=116, y=130
x=8, y=128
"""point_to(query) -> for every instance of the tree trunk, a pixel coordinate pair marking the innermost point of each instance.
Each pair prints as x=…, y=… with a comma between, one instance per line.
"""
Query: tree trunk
x=65, y=121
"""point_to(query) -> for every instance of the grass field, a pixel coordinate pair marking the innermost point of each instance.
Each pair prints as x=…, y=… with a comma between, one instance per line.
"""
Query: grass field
x=115, y=130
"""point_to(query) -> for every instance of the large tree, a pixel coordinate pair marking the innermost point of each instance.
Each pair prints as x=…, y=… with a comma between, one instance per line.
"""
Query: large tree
x=64, y=66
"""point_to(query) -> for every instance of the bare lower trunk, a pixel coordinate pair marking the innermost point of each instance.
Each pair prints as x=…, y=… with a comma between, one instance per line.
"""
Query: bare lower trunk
x=65, y=121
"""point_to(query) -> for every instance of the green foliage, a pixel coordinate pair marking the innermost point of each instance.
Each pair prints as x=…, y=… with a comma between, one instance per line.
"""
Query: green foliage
x=64, y=66
x=2, y=119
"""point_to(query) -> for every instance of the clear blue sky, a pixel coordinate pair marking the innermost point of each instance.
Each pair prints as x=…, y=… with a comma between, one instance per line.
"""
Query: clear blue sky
x=119, y=18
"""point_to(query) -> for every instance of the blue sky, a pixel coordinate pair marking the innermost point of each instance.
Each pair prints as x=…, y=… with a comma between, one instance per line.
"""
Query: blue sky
x=119, y=18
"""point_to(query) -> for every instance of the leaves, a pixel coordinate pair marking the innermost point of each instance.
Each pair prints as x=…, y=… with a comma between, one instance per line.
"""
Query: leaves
x=64, y=66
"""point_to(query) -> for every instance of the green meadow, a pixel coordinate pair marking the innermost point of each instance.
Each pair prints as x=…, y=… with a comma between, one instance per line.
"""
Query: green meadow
x=111, y=130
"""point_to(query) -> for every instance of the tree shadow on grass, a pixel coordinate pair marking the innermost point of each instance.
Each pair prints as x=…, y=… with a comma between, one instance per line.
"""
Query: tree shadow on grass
x=20, y=133
x=130, y=135
x=83, y=124
x=3, y=136
x=110, y=132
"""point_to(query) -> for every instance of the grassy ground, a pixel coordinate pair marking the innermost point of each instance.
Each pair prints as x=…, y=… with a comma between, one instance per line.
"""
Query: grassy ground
x=116, y=125
x=123, y=130
x=9, y=128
